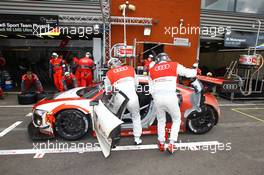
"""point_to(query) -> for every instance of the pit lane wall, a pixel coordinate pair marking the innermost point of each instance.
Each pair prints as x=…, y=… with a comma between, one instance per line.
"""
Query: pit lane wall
x=165, y=14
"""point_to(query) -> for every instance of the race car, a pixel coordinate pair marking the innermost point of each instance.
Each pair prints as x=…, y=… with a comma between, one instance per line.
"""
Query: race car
x=73, y=113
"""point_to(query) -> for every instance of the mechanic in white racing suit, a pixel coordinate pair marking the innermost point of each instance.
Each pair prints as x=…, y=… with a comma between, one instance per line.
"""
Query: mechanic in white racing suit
x=124, y=78
x=163, y=79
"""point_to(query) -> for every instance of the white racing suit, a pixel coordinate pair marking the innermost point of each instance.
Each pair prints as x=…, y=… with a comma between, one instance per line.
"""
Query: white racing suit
x=163, y=79
x=124, y=79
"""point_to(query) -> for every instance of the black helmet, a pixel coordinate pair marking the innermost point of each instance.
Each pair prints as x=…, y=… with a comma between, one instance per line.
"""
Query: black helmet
x=162, y=57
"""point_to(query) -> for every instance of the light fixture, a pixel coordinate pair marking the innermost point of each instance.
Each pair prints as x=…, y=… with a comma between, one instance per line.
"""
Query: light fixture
x=50, y=36
x=86, y=37
x=96, y=27
x=3, y=36
x=123, y=8
x=68, y=36
x=181, y=22
x=147, y=31
x=21, y=36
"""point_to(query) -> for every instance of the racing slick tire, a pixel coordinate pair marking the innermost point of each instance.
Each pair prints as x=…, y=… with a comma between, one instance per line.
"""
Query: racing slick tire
x=26, y=99
x=71, y=124
x=202, y=123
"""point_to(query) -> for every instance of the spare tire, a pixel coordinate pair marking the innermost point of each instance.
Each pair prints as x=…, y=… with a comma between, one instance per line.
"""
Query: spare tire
x=41, y=96
x=26, y=99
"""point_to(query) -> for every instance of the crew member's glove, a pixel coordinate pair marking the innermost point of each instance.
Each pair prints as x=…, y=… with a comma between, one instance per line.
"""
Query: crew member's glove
x=199, y=72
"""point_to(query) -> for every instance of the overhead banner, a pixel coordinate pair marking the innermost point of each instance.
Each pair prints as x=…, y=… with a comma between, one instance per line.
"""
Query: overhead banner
x=242, y=39
x=27, y=24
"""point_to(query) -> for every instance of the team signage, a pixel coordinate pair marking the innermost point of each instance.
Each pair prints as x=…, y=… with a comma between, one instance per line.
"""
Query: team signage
x=124, y=51
x=242, y=39
x=27, y=24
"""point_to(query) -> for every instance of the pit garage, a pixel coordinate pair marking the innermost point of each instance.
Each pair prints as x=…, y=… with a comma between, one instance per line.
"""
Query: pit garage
x=226, y=139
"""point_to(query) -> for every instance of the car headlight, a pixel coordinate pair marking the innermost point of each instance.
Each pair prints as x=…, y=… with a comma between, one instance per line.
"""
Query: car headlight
x=38, y=116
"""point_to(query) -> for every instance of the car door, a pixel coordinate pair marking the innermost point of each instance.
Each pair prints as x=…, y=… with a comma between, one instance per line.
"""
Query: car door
x=106, y=120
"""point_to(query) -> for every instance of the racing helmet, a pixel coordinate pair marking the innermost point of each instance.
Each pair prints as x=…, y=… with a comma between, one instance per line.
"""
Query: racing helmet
x=88, y=54
x=67, y=74
x=114, y=62
x=151, y=56
x=162, y=57
x=54, y=54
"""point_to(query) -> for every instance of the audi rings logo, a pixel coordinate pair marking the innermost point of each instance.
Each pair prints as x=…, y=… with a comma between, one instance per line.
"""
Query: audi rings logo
x=120, y=69
x=162, y=67
x=230, y=86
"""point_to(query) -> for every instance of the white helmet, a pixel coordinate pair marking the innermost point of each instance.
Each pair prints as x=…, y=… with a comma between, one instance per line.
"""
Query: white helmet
x=54, y=54
x=88, y=54
x=67, y=74
x=114, y=62
x=163, y=57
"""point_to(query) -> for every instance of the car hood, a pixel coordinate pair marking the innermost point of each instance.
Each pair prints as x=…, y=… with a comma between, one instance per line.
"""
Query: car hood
x=72, y=93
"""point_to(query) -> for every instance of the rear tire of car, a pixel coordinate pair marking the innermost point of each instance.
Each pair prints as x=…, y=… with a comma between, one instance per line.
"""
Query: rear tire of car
x=26, y=99
x=71, y=124
x=203, y=123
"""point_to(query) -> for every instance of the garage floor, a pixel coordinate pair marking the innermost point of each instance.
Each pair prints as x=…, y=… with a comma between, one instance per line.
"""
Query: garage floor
x=241, y=128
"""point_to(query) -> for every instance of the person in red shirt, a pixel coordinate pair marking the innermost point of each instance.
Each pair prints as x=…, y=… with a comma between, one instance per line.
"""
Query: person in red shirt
x=1, y=93
x=69, y=81
x=84, y=71
x=147, y=63
x=163, y=82
x=28, y=80
x=74, y=64
x=124, y=79
x=56, y=70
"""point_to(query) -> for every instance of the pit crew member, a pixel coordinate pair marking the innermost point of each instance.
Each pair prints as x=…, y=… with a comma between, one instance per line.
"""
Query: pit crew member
x=84, y=71
x=28, y=80
x=124, y=79
x=56, y=70
x=163, y=78
x=69, y=81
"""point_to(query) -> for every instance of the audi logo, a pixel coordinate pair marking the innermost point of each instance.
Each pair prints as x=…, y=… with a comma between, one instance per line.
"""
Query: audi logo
x=120, y=69
x=162, y=67
x=230, y=86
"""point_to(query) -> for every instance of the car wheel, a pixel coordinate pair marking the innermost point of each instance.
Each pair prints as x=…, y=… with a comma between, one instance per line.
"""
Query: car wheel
x=202, y=123
x=26, y=99
x=71, y=124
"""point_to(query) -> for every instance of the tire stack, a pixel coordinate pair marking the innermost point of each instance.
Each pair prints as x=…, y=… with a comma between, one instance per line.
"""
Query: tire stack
x=30, y=98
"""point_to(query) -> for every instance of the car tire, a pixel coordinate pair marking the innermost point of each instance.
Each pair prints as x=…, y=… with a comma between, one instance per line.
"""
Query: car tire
x=203, y=123
x=71, y=124
x=26, y=99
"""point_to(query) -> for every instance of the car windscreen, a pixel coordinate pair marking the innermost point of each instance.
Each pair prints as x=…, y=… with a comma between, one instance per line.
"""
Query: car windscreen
x=88, y=92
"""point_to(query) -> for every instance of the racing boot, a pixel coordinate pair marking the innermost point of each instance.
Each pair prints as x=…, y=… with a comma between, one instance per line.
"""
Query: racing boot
x=138, y=141
x=170, y=148
x=161, y=146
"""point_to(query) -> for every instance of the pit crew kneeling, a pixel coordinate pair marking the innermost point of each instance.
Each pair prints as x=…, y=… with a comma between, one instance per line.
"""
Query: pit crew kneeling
x=28, y=80
x=69, y=81
x=124, y=79
x=163, y=79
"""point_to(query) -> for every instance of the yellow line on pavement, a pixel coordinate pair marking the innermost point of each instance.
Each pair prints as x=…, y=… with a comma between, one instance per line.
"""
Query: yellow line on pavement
x=248, y=115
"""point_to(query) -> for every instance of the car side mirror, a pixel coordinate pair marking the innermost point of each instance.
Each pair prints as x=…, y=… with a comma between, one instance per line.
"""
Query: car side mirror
x=94, y=103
